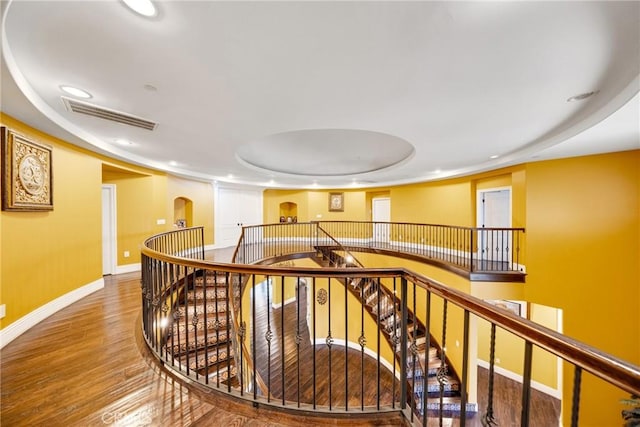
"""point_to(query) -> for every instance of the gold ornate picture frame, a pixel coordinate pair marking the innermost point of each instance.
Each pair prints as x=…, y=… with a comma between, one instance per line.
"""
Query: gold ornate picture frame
x=336, y=202
x=27, y=176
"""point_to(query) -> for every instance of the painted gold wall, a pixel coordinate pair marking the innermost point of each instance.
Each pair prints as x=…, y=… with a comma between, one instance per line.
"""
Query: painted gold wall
x=201, y=195
x=53, y=253
x=447, y=203
x=48, y=254
x=134, y=211
x=583, y=256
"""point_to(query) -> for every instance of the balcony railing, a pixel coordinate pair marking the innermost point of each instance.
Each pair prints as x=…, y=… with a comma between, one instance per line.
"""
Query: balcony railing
x=492, y=254
x=337, y=340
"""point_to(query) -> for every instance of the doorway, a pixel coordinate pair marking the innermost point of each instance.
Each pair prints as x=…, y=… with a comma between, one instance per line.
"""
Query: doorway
x=381, y=216
x=494, y=211
x=108, y=229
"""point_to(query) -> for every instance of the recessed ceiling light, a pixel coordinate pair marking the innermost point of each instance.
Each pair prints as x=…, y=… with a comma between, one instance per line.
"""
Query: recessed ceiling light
x=582, y=96
x=74, y=91
x=230, y=176
x=495, y=156
x=143, y=7
x=173, y=163
x=123, y=141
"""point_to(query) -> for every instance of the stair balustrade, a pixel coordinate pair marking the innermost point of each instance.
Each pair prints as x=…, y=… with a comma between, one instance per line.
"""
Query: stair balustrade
x=342, y=340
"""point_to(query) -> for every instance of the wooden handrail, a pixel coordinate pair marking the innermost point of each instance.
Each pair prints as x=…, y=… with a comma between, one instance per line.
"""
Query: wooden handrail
x=609, y=368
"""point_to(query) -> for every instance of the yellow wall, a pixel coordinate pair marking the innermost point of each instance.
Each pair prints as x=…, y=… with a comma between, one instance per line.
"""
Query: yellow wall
x=48, y=254
x=201, y=196
x=583, y=246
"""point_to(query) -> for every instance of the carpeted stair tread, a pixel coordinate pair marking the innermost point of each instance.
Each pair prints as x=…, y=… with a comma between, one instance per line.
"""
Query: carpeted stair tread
x=192, y=341
x=211, y=307
x=202, y=359
x=212, y=324
x=211, y=294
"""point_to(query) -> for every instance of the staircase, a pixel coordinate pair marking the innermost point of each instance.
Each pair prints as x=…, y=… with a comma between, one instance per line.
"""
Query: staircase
x=198, y=338
x=443, y=385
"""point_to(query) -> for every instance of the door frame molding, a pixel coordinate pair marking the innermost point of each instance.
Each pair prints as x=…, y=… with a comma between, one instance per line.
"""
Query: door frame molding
x=113, y=233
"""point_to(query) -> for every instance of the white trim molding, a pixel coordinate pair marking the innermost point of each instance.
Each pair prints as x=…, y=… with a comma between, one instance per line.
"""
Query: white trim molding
x=513, y=376
x=26, y=322
x=128, y=268
x=279, y=304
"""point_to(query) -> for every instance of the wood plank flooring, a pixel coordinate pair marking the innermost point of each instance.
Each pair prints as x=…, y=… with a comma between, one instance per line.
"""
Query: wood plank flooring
x=87, y=365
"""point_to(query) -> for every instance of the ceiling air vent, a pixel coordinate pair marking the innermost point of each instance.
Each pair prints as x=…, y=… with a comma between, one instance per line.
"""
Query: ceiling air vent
x=75, y=106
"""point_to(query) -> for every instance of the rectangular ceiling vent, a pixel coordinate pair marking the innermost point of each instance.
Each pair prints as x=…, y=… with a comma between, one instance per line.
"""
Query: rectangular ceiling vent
x=75, y=106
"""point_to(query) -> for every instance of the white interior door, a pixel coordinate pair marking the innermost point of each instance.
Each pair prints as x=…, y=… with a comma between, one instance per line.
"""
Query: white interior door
x=108, y=229
x=235, y=208
x=494, y=211
x=381, y=212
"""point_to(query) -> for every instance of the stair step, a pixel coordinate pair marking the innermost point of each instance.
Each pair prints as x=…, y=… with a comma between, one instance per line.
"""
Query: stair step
x=191, y=341
x=211, y=294
x=212, y=325
x=212, y=307
x=202, y=359
x=451, y=387
x=212, y=280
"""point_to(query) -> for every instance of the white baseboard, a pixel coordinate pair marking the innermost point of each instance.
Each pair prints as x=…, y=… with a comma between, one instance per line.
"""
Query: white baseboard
x=279, y=304
x=128, y=268
x=26, y=322
x=534, y=384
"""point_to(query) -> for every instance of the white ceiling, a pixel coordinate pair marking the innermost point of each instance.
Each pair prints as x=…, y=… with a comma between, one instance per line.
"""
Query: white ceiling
x=330, y=94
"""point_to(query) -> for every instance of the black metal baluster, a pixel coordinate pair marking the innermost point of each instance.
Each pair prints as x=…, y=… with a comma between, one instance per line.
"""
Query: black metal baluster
x=488, y=419
x=526, y=384
x=298, y=337
x=378, y=350
x=575, y=403
x=230, y=294
x=362, y=342
x=346, y=345
x=313, y=299
x=396, y=342
x=253, y=333
x=282, y=337
x=414, y=354
x=427, y=350
x=403, y=342
x=268, y=336
x=465, y=370
x=442, y=372
x=329, y=339
x=241, y=333
x=206, y=322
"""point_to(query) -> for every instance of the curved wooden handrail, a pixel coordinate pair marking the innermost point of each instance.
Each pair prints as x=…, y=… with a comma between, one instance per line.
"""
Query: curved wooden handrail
x=611, y=369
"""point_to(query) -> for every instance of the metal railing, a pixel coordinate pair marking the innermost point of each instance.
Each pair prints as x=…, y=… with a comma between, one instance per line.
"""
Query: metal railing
x=314, y=345
x=476, y=253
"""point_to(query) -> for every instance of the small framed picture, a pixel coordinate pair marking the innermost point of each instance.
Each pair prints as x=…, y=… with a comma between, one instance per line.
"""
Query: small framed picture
x=336, y=202
x=27, y=178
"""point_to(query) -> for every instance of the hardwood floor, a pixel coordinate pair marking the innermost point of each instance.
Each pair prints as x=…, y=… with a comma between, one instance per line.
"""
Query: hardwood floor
x=88, y=365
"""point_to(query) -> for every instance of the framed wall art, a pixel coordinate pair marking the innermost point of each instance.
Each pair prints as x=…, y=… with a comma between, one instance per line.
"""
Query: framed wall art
x=27, y=177
x=336, y=202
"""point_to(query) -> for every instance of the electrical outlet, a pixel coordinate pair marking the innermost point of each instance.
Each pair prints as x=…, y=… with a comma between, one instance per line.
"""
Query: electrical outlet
x=161, y=221
x=3, y=310
x=497, y=360
x=457, y=343
x=126, y=254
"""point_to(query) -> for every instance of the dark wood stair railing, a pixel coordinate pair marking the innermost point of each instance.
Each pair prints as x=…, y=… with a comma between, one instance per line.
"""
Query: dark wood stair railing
x=171, y=291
